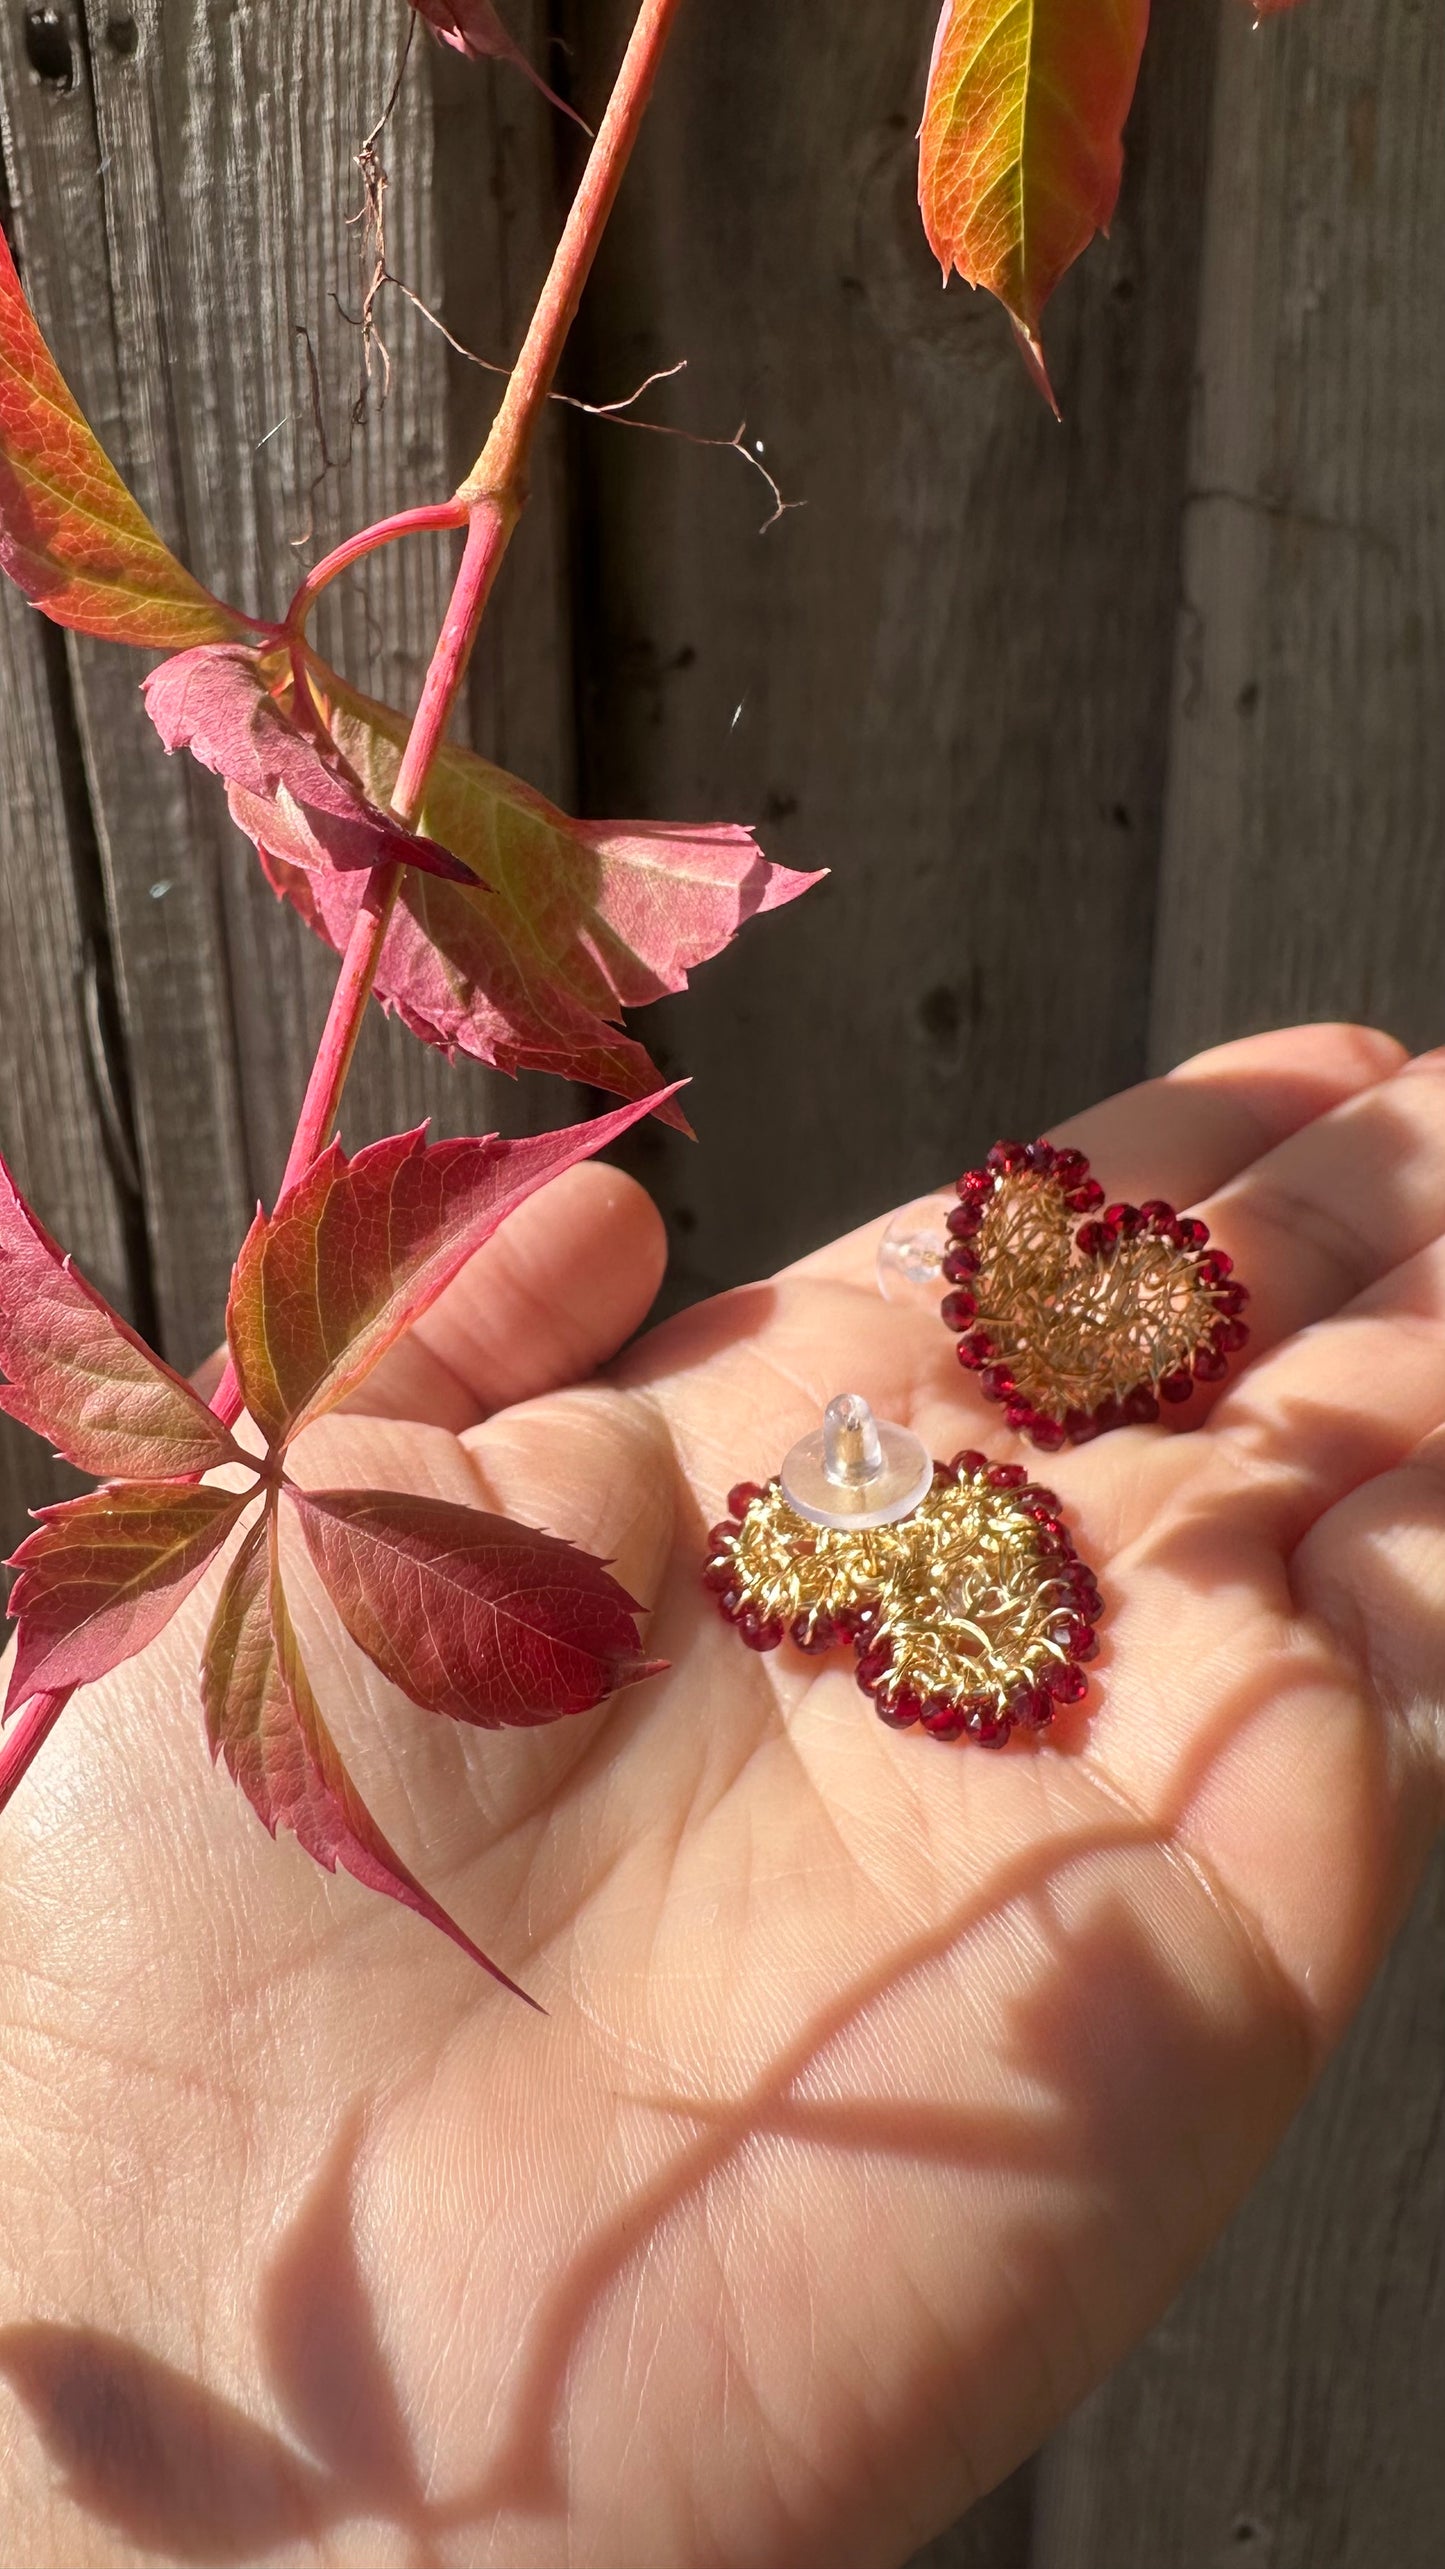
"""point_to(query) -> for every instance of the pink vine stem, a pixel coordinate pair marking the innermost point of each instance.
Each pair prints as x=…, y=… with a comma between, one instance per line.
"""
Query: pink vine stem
x=27, y=1736
x=489, y=503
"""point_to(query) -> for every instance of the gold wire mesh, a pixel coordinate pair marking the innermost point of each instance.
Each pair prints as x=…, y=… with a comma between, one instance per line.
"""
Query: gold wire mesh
x=967, y=1592
x=1075, y=1331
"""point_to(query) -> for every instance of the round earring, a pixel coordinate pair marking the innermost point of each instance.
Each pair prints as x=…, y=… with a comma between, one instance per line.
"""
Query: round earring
x=956, y=1585
x=1073, y=1327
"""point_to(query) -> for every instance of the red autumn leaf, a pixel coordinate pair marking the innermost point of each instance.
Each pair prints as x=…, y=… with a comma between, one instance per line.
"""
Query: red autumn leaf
x=1021, y=153
x=580, y=919
x=263, y=1718
x=79, y=1375
x=71, y=536
x=102, y=1575
x=469, y=1614
x=472, y=27
x=216, y=703
x=358, y=1249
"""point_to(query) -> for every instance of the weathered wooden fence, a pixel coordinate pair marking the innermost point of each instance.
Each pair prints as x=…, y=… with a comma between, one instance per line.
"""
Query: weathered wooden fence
x=1117, y=737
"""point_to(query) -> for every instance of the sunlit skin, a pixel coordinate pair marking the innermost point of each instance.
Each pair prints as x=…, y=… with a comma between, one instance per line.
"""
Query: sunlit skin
x=887, y=2090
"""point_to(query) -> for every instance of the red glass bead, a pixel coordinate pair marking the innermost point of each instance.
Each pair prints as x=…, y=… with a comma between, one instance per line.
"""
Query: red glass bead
x=975, y=1182
x=959, y=1239
x=991, y=1728
x=1093, y=1238
x=942, y=1718
x=1214, y=1268
x=1108, y=1415
x=1028, y=1708
x=1066, y=1683
x=963, y=1220
x=1069, y=1632
x=1229, y=1336
x=1209, y=1365
x=959, y=1308
x=1192, y=1232
x=1176, y=1386
x=1019, y=1416
x=997, y=1383
x=742, y=1495
x=968, y=1355
x=1085, y=1198
x=1006, y=1156
x=944, y=1476
x=1123, y=1218
x=981, y=1345
x=1229, y=1299
x=759, y=1632
x=1080, y=1426
x=1032, y=1496
x=872, y=1667
x=720, y=1572
x=1048, y=1523
x=1006, y=1476
x=1070, y=1168
x=814, y=1633
x=899, y=1711
x=959, y=1265
x=722, y=1533
x=969, y=1461
x=1040, y=1157
x=974, y=1709
x=1140, y=1406
x=730, y=1604
x=1155, y=1214
x=1088, y=1648
x=1049, y=1434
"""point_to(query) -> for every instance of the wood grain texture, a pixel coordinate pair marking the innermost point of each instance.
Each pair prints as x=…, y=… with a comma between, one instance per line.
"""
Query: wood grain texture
x=187, y=210
x=52, y=1110
x=150, y=819
x=1307, y=777
x=1286, y=2413
x=945, y=676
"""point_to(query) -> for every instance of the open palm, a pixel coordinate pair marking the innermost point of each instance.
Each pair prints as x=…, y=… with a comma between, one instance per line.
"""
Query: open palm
x=887, y=2089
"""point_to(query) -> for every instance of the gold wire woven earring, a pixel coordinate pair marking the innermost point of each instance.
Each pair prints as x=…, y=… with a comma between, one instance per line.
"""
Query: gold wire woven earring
x=955, y=1584
x=1073, y=1327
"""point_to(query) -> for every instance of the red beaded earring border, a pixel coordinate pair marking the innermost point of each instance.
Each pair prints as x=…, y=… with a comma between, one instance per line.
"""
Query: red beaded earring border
x=980, y=1355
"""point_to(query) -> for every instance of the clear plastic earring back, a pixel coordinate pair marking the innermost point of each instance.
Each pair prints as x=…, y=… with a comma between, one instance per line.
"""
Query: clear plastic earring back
x=856, y=1470
x=911, y=1254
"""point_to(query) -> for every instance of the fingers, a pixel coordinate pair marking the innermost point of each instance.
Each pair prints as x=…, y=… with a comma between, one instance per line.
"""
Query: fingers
x=1374, y=1570
x=1319, y=1219
x=594, y=1465
x=1185, y=1135
x=570, y=1275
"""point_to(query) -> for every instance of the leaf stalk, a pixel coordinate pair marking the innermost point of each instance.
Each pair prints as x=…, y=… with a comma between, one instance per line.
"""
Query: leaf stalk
x=489, y=503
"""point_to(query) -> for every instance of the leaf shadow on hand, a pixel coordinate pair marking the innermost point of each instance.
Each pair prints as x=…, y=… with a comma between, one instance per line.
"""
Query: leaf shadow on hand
x=1109, y=1987
x=183, y=2474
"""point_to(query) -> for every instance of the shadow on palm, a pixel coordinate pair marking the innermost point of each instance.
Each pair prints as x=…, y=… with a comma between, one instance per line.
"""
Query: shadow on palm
x=888, y=2088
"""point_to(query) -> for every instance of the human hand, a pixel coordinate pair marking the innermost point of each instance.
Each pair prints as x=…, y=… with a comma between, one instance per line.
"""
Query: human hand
x=888, y=2089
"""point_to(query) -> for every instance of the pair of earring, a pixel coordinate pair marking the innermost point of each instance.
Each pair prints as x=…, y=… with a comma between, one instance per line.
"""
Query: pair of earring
x=957, y=1585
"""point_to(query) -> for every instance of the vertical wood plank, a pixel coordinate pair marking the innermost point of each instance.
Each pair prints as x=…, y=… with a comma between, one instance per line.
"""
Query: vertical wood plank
x=1307, y=779
x=52, y=1122
x=149, y=818
x=186, y=208
x=1286, y=2411
x=945, y=676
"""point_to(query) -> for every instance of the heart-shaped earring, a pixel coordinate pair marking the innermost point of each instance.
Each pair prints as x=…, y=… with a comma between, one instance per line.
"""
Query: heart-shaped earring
x=1074, y=1327
x=955, y=1584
